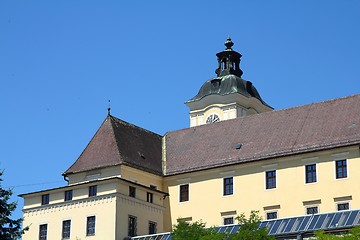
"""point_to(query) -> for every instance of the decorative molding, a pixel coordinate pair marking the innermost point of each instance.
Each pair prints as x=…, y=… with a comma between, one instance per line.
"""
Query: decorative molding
x=311, y=159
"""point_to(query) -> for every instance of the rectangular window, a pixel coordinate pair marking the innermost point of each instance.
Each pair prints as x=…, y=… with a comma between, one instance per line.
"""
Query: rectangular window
x=90, y=226
x=310, y=173
x=132, y=226
x=312, y=210
x=66, y=229
x=343, y=206
x=132, y=191
x=228, y=220
x=45, y=199
x=152, y=227
x=271, y=215
x=184, y=193
x=341, y=169
x=228, y=186
x=43, y=232
x=271, y=179
x=68, y=195
x=92, y=191
x=149, y=197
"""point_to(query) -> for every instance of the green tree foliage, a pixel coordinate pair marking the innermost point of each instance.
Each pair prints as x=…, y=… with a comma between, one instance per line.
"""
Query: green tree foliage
x=249, y=228
x=9, y=229
x=353, y=234
x=197, y=231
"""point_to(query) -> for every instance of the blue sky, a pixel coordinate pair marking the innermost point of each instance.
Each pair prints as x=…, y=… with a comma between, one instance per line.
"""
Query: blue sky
x=61, y=61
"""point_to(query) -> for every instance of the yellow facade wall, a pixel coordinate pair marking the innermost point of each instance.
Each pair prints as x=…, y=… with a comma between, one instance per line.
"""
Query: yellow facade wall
x=289, y=198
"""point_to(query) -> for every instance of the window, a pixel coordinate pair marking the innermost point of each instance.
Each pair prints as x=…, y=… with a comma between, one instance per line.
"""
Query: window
x=66, y=229
x=343, y=206
x=45, y=199
x=132, y=226
x=271, y=179
x=153, y=187
x=68, y=195
x=271, y=215
x=312, y=210
x=92, y=191
x=43, y=232
x=310, y=173
x=228, y=220
x=132, y=191
x=152, y=227
x=341, y=169
x=90, y=226
x=184, y=193
x=228, y=186
x=149, y=197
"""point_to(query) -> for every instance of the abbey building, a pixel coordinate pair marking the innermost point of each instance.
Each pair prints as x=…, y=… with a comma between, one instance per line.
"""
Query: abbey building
x=237, y=155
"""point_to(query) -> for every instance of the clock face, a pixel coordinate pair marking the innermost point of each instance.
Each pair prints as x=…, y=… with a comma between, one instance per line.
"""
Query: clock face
x=212, y=118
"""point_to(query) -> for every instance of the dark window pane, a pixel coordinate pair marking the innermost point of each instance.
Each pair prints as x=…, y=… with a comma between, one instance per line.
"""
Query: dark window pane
x=312, y=210
x=341, y=169
x=90, y=226
x=228, y=186
x=342, y=206
x=66, y=229
x=271, y=215
x=271, y=179
x=152, y=227
x=132, y=226
x=310, y=172
x=45, y=199
x=68, y=195
x=184, y=193
x=228, y=220
x=43, y=232
x=149, y=197
x=92, y=191
x=132, y=191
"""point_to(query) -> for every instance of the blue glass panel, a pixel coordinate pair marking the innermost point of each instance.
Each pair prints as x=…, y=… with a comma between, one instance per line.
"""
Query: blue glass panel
x=283, y=225
x=351, y=220
x=235, y=229
x=304, y=223
x=320, y=222
x=290, y=225
x=222, y=229
x=327, y=221
x=343, y=218
x=313, y=222
x=262, y=225
x=269, y=225
x=334, y=222
x=297, y=223
x=275, y=227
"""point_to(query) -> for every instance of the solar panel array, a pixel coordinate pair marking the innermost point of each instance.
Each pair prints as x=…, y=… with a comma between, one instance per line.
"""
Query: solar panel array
x=290, y=226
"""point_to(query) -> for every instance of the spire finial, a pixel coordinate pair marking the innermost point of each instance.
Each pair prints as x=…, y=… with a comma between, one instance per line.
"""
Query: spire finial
x=228, y=43
x=109, y=108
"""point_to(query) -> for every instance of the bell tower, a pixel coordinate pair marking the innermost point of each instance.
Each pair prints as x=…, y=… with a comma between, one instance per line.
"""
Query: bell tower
x=226, y=96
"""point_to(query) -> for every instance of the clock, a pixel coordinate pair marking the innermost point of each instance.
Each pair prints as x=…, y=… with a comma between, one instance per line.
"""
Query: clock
x=212, y=118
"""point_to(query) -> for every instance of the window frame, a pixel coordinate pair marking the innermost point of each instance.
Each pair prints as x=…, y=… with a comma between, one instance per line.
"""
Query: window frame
x=41, y=231
x=132, y=226
x=270, y=181
x=311, y=172
x=228, y=187
x=68, y=195
x=184, y=194
x=342, y=167
x=66, y=233
x=152, y=226
x=225, y=218
x=91, y=225
x=45, y=199
x=92, y=191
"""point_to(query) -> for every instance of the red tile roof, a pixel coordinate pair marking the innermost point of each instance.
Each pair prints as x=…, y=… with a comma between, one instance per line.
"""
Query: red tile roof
x=118, y=142
x=312, y=127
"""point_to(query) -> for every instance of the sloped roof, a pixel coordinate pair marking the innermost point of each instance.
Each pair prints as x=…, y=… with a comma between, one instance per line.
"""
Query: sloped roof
x=118, y=142
x=312, y=127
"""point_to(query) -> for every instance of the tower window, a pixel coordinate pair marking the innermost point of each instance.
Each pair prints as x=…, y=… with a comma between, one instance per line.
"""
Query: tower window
x=184, y=193
x=90, y=226
x=43, y=232
x=132, y=226
x=45, y=199
x=68, y=195
x=132, y=191
x=310, y=173
x=66, y=229
x=228, y=186
x=152, y=227
x=270, y=179
x=92, y=191
x=341, y=169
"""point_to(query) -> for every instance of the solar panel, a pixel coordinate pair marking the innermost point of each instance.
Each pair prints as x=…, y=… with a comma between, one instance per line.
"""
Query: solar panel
x=293, y=225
